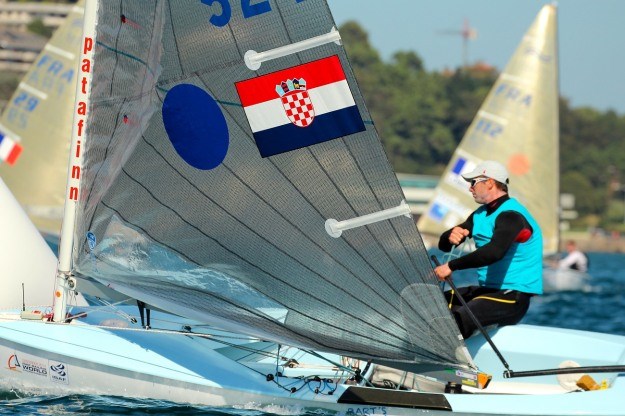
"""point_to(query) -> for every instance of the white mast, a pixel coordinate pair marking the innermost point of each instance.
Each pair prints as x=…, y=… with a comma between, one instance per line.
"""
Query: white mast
x=64, y=281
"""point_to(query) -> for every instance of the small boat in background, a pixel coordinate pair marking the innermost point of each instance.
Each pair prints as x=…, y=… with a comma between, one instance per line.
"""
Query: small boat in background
x=559, y=280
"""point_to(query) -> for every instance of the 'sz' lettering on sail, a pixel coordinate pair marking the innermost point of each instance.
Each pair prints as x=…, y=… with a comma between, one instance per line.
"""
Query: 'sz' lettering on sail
x=300, y=106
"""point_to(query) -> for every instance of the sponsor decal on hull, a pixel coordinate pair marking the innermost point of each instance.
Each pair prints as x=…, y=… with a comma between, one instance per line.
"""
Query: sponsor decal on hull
x=59, y=372
x=55, y=371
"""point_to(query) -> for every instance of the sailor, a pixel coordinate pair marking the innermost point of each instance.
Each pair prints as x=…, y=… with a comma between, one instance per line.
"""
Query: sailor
x=508, y=254
x=575, y=259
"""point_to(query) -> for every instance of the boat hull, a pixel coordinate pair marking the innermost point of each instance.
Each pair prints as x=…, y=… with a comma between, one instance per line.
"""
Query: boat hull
x=84, y=359
x=189, y=369
x=557, y=280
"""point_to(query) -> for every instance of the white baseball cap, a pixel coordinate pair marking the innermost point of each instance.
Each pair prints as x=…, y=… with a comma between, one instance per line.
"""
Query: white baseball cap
x=489, y=169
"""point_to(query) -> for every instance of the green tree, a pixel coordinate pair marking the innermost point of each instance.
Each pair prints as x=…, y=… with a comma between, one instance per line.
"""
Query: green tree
x=422, y=116
x=466, y=90
x=37, y=27
x=8, y=84
x=420, y=108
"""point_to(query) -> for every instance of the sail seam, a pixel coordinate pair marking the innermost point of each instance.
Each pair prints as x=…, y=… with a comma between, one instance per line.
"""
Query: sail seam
x=265, y=272
x=373, y=268
x=127, y=55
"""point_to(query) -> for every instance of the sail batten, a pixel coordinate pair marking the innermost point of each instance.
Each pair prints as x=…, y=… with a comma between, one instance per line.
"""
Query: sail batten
x=254, y=59
x=185, y=211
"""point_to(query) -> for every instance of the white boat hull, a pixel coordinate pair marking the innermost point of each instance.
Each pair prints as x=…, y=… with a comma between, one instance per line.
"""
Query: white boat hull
x=121, y=363
x=557, y=280
x=190, y=369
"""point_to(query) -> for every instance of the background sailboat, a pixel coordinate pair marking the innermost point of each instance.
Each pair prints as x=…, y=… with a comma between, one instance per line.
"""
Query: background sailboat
x=517, y=125
x=20, y=243
x=39, y=117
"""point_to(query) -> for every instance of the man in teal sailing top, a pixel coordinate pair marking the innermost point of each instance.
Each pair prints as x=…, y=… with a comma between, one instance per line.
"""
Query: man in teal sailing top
x=508, y=255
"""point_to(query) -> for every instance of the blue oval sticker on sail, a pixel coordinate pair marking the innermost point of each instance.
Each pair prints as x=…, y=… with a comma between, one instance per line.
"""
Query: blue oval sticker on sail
x=91, y=239
x=196, y=126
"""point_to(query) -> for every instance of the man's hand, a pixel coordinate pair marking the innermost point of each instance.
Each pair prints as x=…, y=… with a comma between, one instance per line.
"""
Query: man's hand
x=457, y=235
x=443, y=271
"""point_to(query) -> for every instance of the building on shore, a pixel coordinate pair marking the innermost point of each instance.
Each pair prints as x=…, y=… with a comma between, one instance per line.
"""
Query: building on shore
x=18, y=47
x=18, y=15
x=418, y=190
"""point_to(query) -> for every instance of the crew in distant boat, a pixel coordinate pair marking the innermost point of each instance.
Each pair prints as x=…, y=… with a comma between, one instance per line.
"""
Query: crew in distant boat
x=508, y=255
x=575, y=260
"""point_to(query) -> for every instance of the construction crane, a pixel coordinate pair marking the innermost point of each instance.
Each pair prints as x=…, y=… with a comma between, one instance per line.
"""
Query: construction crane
x=467, y=33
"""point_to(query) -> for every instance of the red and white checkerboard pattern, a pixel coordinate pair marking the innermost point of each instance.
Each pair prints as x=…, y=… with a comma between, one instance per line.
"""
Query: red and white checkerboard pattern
x=298, y=108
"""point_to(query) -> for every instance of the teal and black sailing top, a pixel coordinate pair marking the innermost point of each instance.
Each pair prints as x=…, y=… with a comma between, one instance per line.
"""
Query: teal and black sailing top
x=521, y=267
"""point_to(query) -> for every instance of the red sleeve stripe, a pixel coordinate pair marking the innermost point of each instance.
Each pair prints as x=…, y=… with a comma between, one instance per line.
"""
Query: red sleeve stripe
x=523, y=235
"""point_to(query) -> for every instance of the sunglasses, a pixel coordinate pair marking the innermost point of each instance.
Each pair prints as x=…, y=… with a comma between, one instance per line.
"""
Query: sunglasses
x=477, y=180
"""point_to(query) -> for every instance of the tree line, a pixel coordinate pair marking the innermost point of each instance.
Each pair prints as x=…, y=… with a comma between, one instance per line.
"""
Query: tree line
x=422, y=115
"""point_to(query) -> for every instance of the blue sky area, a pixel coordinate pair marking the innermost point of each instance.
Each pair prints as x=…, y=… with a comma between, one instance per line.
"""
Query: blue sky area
x=591, y=36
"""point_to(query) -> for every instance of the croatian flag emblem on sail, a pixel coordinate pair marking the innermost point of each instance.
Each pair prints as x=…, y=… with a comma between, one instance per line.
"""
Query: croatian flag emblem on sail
x=299, y=106
x=296, y=102
x=9, y=149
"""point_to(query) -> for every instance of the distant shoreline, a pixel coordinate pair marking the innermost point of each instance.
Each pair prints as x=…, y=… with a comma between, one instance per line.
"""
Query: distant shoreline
x=586, y=241
x=599, y=242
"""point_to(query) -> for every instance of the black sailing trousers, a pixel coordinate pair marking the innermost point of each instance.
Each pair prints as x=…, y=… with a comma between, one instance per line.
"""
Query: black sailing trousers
x=490, y=306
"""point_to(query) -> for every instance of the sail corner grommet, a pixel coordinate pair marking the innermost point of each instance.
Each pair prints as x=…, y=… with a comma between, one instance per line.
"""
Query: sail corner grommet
x=71, y=283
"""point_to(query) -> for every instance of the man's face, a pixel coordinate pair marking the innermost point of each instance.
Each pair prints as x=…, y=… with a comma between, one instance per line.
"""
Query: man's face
x=480, y=189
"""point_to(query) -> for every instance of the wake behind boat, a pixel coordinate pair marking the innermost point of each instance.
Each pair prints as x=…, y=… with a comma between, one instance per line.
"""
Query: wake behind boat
x=224, y=167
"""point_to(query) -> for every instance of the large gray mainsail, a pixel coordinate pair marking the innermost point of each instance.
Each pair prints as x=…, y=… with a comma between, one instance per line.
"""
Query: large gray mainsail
x=179, y=208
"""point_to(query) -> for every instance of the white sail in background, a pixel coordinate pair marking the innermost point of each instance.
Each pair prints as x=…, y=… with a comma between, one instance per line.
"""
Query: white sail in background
x=39, y=117
x=518, y=126
x=20, y=244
